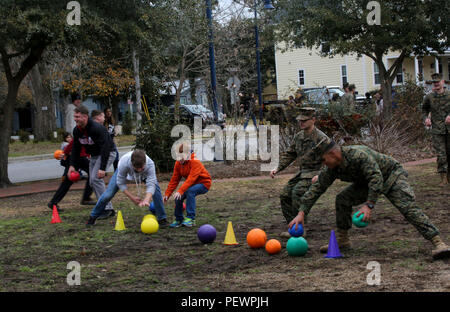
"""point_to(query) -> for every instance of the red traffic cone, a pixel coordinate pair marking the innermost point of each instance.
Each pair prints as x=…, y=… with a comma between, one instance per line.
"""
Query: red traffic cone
x=55, y=216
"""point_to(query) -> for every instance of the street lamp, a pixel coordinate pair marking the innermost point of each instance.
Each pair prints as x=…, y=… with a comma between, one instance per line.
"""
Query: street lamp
x=267, y=6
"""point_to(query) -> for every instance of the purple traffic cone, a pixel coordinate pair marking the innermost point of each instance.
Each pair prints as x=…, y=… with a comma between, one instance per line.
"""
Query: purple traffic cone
x=333, y=248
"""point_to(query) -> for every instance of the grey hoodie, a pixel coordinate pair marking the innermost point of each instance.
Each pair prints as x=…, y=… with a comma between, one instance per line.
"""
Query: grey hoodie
x=125, y=171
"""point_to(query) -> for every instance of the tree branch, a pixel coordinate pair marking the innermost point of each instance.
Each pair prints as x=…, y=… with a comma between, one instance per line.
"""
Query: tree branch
x=392, y=72
x=6, y=64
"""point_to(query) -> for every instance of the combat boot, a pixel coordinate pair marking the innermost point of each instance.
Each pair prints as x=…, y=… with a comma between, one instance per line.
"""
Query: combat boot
x=444, y=178
x=342, y=240
x=441, y=250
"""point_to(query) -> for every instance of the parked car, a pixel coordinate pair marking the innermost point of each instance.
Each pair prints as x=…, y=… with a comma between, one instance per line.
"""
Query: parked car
x=189, y=112
x=322, y=96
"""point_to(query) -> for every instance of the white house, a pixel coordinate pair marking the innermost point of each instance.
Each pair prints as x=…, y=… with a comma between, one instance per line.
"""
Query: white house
x=305, y=68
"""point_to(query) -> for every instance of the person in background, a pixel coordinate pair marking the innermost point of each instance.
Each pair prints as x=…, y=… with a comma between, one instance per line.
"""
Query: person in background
x=110, y=125
x=69, y=120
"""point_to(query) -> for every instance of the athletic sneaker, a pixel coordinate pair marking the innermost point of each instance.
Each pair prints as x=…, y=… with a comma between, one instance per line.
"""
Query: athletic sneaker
x=91, y=221
x=163, y=223
x=107, y=214
x=188, y=222
x=175, y=224
x=50, y=205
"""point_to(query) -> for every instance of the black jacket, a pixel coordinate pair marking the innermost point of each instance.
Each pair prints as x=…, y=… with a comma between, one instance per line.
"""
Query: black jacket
x=96, y=141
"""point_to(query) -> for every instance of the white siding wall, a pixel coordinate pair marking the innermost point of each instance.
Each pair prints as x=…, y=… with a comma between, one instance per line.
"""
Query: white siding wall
x=327, y=71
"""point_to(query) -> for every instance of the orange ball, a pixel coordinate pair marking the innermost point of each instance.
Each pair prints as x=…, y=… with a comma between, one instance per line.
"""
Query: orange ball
x=256, y=238
x=273, y=246
x=57, y=154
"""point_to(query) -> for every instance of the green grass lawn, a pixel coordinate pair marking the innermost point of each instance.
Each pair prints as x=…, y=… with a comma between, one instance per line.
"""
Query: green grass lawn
x=34, y=253
x=18, y=149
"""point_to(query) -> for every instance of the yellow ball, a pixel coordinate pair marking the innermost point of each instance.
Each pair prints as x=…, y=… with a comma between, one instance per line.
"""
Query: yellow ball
x=151, y=216
x=149, y=226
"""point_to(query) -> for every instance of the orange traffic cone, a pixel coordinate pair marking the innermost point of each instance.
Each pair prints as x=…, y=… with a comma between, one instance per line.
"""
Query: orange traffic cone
x=55, y=216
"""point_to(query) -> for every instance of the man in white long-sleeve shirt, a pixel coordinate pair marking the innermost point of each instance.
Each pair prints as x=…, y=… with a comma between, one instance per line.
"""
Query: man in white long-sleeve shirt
x=138, y=167
x=69, y=120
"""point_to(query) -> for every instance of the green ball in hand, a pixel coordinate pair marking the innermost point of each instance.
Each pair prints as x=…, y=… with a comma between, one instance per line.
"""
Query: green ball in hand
x=357, y=221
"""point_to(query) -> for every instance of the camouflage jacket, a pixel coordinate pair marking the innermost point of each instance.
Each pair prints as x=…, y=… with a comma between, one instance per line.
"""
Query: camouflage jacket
x=439, y=106
x=360, y=165
x=348, y=100
x=304, y=146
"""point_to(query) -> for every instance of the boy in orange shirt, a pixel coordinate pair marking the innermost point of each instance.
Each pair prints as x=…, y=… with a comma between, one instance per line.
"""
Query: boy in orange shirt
x=198, y=181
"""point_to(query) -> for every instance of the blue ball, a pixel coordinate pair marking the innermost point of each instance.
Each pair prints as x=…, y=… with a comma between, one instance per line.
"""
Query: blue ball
x=298, y=232
x=357, y=221
x=206, y=233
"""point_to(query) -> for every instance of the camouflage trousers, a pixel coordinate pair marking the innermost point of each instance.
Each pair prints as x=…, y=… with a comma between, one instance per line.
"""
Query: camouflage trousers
x=291, y=194
x=401, y=195
x=441, y=145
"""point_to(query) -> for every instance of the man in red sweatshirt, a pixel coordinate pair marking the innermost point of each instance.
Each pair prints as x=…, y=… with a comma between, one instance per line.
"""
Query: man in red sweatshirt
x=198, y=181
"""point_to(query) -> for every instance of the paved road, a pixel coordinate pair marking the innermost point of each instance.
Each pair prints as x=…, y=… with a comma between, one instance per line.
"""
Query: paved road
x=26, y=171
x=44, y=169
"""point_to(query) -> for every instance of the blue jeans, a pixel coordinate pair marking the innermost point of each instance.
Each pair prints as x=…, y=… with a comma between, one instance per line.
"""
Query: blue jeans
x=189, y=195
x=248, y=118
x=113, y=189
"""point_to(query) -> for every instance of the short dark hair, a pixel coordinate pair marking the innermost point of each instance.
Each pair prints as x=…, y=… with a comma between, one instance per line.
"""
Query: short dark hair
x=138, y=158
x=351, y=87
x=75, y=96
x=82, y=110
x=346, y=85
x=96, y=113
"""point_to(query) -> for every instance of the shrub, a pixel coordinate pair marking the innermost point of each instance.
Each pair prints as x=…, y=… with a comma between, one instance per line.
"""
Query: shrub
x=409, y=99
x=127, y=125
x=153, y=136
x=388, y=134
x=24, y=136
x=59, y=135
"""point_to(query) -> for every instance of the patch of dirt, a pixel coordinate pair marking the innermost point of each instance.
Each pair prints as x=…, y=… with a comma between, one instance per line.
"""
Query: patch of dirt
x=34, y=253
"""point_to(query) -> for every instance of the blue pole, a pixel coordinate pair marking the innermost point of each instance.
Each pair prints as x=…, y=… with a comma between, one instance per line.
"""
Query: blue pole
x=258, y=68
x=211, y=57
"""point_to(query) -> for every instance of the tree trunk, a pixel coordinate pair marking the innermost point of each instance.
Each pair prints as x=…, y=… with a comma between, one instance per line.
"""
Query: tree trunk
x=6, y=118
x=115, y=107
x=386, y=89
x=193, y=90
x=177, y=101
x=45, y=121
x=137, y=81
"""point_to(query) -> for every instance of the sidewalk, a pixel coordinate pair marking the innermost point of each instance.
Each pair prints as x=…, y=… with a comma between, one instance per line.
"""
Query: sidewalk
x=52, y=185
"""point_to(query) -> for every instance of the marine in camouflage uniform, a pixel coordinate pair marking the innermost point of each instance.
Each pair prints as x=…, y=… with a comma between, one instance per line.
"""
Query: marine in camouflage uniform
x=437, y=106
x=348, y=99
x=303, y=146
x=371, y=174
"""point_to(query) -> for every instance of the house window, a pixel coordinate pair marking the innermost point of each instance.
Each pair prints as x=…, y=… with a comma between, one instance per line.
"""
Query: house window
x=301, y=77
x=183, y=100
x=344, y=74
x=400, y=75
x=376, y=74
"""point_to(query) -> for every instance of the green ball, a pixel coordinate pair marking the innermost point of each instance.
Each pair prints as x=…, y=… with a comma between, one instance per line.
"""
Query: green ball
x=357, y=221
x=297, y=246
